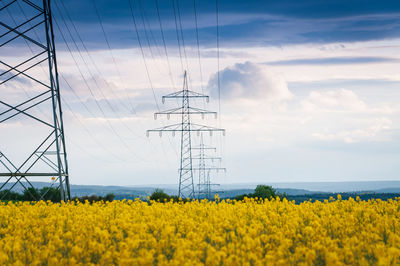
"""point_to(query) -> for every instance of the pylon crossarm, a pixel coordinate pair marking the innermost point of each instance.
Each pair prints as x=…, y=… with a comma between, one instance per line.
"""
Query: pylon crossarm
x=202, y=128
x=207, y=158
x=178, y=128
x=205, y=148
x=19, y=174
x=209, y=169
x=181, y=110
x=185, y=94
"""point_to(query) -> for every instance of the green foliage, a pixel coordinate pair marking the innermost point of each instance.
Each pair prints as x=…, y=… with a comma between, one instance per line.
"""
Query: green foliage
x=160, y=195
x=264, y=192
x=10, y=195
x=94, y=198
x=32, y=194
x=109, y=197
x=50, y=193
x=261, y=192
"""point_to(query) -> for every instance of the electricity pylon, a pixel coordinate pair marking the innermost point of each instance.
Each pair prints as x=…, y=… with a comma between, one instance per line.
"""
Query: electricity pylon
x=186, y=183
x=205, y=168
x=28, y=25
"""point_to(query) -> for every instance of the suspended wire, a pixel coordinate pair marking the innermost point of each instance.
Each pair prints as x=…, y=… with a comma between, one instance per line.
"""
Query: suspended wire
x=88, y=53
x=143, y=55
x=165, y=46
x=198, y=45
x=91, y=92
x=30, y=48
x=177, y=36
x=91, y=58
x=218, y=66
x=218, y=75
x=145, y=64
x=109, y=47
x=146, y=21
x=97, y=85
x=146, y=34
x=97, y=69
x=183, y=44
x=91, y=135
x=183, y=39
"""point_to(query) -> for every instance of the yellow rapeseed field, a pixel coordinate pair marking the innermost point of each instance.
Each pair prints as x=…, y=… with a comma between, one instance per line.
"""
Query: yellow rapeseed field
x=249, y=232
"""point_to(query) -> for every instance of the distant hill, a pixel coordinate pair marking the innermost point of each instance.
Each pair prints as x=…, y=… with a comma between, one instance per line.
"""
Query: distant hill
x=87, y=190
x=122, y=192
x=388, y=190
x=293, y=191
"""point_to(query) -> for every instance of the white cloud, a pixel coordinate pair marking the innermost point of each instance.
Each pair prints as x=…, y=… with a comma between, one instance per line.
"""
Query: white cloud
x=374, y=132
x=250, y=81
x=341, y=99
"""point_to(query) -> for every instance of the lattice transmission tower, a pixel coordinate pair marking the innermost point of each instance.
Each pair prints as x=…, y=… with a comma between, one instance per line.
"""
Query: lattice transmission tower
x=32, y=142
x=205, y=168
x=186, y=127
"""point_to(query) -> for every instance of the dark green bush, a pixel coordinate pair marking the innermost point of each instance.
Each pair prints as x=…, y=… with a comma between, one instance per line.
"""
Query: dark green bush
x=261, y=192
x=159, y=195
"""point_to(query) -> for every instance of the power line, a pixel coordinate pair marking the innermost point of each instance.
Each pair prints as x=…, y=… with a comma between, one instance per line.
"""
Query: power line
x=182, y=36
x=90, y=134
x=89, y=54
x=96, y=67
x=145, y=64
x=147, y=36
x=145, y=20
x=218, y=66
x=66, y=104
x=95, y=80
x=165, y=46
x=143, y=55
x=91, y=92
x=198, y=45
x=177, y=35
x=108, y=43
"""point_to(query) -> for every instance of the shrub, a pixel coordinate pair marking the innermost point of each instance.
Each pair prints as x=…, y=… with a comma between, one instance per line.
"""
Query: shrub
x=262, y=192
x=159, y=195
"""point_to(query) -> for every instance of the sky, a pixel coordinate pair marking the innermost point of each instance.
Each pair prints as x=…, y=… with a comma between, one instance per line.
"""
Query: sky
x=309, y=90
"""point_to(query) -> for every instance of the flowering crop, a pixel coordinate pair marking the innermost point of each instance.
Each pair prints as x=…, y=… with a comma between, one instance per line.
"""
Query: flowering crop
x=249, y=232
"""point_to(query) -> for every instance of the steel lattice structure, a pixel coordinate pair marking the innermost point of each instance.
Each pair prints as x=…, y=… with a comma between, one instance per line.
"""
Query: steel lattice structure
x=27, y=30
x=186, y=127
x=205, y=167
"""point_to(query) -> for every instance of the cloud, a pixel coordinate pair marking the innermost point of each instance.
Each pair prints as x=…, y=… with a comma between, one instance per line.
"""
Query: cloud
x=333, y=61
x=371, y=133
x=341, y=99
x=250, y=81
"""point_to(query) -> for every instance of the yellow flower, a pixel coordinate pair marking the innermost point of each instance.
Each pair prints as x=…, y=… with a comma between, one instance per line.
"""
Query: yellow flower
x=248, y=232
